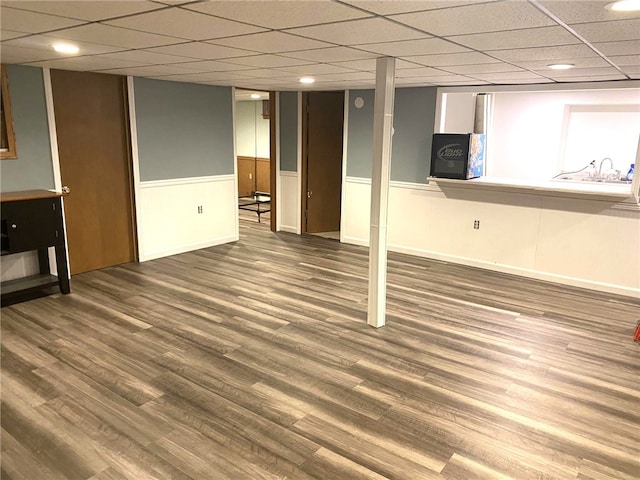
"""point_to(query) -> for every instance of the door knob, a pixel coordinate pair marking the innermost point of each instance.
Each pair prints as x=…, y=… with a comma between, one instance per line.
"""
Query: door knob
x=66, y=190
x=309, y=194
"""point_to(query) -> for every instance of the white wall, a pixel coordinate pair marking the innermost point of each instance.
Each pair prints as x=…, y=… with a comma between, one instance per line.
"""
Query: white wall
x=252, y=131
x=168, y=218
x=525, y=135
x=581, y=242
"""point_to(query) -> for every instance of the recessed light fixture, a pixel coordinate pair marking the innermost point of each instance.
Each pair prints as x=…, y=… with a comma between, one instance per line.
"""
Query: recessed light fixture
x=624, y=6
x=65, y=48
x=255, y=95
x=307, y=80
x=560, y=66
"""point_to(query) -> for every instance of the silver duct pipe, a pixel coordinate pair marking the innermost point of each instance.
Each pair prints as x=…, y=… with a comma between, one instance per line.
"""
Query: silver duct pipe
x=481, y=113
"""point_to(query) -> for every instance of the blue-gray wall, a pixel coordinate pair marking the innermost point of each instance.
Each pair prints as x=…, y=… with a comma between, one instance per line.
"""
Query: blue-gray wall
x=32, y=169
x=413, y=123
x=360, y=134
x=289, y=131
x=184, y=130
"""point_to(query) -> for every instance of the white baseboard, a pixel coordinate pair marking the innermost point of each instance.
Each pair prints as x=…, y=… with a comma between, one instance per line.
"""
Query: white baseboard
x=355, y=241
x=288, y=228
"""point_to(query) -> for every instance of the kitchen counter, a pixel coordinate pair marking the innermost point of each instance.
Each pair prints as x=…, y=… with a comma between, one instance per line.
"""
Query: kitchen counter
x=561, y=188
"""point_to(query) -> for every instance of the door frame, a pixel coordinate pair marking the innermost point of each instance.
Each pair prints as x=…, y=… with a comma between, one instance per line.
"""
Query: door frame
x=55, y=164
x=305, y=157
x=274, y=160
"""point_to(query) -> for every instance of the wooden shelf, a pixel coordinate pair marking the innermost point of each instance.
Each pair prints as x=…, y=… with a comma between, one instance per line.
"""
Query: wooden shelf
x=30, y=283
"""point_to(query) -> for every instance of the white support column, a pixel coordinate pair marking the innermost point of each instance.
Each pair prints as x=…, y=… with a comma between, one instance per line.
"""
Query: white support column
x=382, y=132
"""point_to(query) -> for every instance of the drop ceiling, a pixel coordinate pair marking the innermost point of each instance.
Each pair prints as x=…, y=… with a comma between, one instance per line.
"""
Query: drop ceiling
x=269, y=45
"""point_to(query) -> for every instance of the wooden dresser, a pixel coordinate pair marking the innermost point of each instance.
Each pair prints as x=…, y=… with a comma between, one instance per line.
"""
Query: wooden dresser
x=32, y=220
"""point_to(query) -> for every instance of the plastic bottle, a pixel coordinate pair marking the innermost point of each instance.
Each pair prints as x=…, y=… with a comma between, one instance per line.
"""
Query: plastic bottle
x=630, y=172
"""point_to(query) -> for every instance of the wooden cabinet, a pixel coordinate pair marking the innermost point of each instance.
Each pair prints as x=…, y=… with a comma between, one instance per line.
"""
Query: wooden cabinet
x=32, y=220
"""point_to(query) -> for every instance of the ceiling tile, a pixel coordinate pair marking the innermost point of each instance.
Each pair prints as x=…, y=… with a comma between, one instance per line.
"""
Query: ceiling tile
x=632, y=70
x=369, y=64
x=508, y=76
x=490, y=17
x=265, y=73
x=268, y=61
x=419, y=72
x=145, y=57
x=356, y=32
x=213, y=66
x=405, y=48
x=345, y=77
x=182, y=23
x=270, y=42
x=203, y=77
x=610, y=31
x=604, y=78
x=451, y=59
x=201, y=50
x=483, y=68
x=579, y=72
x=24, y=21
x=628, y=47
x=443, y=78
x=544, y=53
x=316, y=69
x=331, y=55
x=280, y=14
x=528, y=37
x=386, y=7
x=85, y=10
x=8, y=34
x=13, y=54
x=97, y=62
x=581, y=11
x=577, y=62
x=119, y=37
x=150, y=71
x=625, y=60
x=45, y=42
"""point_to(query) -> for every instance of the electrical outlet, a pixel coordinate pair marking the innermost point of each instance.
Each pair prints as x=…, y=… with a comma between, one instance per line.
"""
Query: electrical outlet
x=199, y=208
x=476, y=224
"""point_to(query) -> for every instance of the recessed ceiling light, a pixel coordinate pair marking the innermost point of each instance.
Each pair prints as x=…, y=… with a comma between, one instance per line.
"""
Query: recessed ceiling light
x=307, y=80
x=65, y=48
x=255, y=95
x=624, y=6
x=560, y=66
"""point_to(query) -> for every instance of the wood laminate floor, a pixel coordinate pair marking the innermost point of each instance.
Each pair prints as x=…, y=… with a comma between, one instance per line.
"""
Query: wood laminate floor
x=253, y=361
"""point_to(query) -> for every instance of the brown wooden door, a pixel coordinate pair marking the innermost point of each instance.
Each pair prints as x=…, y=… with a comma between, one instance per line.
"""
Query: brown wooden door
x=246, y=176
x=93, y=145
x=324, y=131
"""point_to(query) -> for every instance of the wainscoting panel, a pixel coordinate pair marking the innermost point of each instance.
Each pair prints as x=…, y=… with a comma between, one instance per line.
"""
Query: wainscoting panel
x=578, y=242
x=169, y=218
x=289, y=203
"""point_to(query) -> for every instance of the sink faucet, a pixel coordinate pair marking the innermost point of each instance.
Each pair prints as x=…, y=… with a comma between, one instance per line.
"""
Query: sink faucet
x=600, y=167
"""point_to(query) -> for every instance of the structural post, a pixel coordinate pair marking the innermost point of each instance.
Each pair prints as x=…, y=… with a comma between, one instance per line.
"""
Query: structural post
x=382, y=131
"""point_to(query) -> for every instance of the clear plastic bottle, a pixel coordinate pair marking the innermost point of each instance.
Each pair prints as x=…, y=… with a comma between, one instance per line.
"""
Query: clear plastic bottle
x=629, y=176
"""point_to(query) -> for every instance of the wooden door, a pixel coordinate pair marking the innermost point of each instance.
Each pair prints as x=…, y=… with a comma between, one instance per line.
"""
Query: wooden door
x=263, y=175
x=93, y=145
x=323, y=160
x=246, y=176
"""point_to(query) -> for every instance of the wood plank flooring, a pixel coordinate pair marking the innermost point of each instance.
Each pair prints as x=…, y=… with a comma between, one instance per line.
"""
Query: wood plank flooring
x=253, y=360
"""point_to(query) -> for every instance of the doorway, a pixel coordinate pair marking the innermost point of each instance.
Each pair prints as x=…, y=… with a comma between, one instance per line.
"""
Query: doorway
x=322, y=150
x=93, y=145
x=255, y=150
